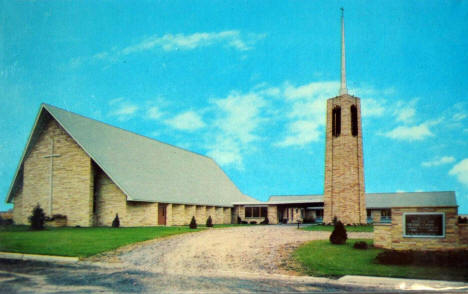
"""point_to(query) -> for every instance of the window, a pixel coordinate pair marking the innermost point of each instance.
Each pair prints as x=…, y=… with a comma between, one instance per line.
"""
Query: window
x=336, y=121
x=354, y=121
x=369, y=213
x=256, y=211
x=248, y=212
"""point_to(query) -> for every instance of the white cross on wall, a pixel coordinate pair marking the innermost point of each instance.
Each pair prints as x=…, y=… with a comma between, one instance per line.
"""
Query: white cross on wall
x=51, y=179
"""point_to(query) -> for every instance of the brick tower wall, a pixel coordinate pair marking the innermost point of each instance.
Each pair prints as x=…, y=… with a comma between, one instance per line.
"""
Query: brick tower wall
x=344, y=166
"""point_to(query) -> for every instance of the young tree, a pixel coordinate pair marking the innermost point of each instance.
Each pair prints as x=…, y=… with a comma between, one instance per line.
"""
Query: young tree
x=193, y=223
x=116, y=221
x=339, y=235
x=37, y=219
x=209, y=222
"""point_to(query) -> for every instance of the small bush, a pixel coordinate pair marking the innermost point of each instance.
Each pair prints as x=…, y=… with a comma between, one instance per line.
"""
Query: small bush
x=266, y=221
x=462, y=220
x=37, y=219
x=209, y=222
x=116, y=221
x=360, y=245
x=244, y=222
x=253, y=222
x=395, y=257
x=339, y=235
x=448, y=258
x=239, y=220
x=335, y=220
x=1, y=221
x=193, y=223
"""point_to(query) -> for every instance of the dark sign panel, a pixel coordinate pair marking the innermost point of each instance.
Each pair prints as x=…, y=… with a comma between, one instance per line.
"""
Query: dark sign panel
x=427, y=225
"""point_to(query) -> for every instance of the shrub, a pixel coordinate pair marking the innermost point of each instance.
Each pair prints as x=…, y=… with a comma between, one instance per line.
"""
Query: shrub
x=360, y=245
x=395, y=257
x=116, y=221
x=253, y=222
x=209, y=222
x=239, y=220
x=335, y=220
x=193, y=223
x=244, y=222
x=266, y=221
x=462, y=220
x=1, y=221
x=339, y=235
x=449, y=258
x=37, y=218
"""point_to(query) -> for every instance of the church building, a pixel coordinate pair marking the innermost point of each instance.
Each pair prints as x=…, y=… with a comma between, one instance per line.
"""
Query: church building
x=86, y=172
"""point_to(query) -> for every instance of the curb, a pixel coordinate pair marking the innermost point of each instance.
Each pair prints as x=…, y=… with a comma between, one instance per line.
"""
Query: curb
x=37, y=257
x=404, y=284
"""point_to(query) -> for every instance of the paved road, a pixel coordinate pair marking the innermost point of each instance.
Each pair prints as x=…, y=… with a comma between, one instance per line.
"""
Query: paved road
x=42, y=277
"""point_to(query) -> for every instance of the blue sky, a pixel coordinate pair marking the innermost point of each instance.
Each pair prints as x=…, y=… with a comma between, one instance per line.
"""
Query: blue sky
x=245, y=82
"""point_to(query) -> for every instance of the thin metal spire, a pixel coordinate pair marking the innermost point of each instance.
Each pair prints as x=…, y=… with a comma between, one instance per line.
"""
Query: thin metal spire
x=343, y=88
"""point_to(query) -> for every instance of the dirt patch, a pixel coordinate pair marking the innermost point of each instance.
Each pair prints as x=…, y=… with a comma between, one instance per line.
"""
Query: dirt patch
x=238, y=250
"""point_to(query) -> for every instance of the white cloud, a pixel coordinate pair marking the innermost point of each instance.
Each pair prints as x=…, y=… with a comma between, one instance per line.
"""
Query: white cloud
x=122, y=109
x=410, y=133
x=372, y=107
x=438, y=161
x=237, y=122
x=301, y=133
x=153, y=113
x=312, y=90
x=460, y=170
x=186, y=121
x=459, y=116
x=405, y=111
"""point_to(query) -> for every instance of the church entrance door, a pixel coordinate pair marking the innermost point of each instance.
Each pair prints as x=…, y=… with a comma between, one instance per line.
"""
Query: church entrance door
x=161, y=214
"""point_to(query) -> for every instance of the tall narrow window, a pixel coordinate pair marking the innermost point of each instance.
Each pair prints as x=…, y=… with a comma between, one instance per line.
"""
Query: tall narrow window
x=336, y=121
x=354, y=121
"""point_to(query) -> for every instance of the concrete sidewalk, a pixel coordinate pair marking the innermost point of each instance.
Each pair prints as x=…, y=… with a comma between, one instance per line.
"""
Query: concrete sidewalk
x=403, y=284
x=37, y=257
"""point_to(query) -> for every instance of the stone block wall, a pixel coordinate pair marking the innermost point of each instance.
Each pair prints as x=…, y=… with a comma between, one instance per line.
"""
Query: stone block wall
x=344, y=166
x=72, y=179
x=273, y=214
x=227, y=215
x=169, y=214
x=219, y=215
x=178, y=214
x=383, y=235
x=189, y=213
x=463, y=235
x=390, y=236
x=200, y=214
x=110, y=200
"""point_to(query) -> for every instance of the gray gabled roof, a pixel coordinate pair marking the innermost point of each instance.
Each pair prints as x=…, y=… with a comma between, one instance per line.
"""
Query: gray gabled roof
x=413, y=199
x=143, y=168
x=284, y=199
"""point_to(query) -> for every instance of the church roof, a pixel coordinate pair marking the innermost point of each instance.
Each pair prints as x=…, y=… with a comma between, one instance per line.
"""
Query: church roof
x=412, y=199
x=379, y=200
x=143, y=168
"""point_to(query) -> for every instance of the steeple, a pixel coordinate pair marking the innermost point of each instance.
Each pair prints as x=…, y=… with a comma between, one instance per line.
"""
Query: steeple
x=343, y=88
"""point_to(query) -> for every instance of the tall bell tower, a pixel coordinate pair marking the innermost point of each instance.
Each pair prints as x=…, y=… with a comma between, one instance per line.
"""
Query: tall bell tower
x=344, y=195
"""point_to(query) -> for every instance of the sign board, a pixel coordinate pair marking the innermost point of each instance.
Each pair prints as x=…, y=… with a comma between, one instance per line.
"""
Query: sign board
x=424, y=224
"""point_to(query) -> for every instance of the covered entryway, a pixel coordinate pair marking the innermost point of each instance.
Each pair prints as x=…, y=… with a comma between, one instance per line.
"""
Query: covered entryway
x=162, y=214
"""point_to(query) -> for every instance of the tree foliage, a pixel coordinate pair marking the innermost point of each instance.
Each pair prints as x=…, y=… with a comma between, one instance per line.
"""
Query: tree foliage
x=339, y=235
x=209, y=222
x=193, y=223
x=116, y=221
x=37, y=219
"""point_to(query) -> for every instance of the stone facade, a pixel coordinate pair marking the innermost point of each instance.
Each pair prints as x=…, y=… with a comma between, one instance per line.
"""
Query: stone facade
x=273, y=214
x=390, y=236
x=72, y=179
x=344, y=166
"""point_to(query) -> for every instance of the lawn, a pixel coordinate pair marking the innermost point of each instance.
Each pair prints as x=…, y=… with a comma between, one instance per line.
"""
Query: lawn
x=321, y=258
x=81, y=242
x=368, y=228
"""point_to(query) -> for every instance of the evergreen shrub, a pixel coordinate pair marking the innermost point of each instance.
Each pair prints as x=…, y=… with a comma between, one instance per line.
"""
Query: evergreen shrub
x=266, y=221
x=37, y=219
x=360, y=245
x=209, y=222
x=339, y=235
x=193, y=223
x=116, y=221
x=253, y=222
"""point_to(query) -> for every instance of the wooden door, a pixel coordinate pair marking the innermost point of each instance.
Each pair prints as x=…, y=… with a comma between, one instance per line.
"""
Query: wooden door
x=161, y=214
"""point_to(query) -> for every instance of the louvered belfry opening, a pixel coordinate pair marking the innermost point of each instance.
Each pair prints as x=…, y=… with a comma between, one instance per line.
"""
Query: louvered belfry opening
x=354, y=120
x=336, y=121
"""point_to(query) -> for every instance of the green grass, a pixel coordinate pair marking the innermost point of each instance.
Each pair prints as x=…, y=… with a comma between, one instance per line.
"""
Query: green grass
x=81, y=242
x=368, y=228
x=321, y=258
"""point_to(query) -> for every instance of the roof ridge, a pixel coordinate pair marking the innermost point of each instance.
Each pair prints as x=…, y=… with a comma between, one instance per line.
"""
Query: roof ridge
x=128, y=131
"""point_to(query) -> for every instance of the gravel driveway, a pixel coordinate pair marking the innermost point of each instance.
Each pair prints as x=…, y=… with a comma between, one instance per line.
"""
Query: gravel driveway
x=230, y=251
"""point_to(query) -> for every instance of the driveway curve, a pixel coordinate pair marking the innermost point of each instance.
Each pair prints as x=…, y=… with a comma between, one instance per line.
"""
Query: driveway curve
x=233, y=251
